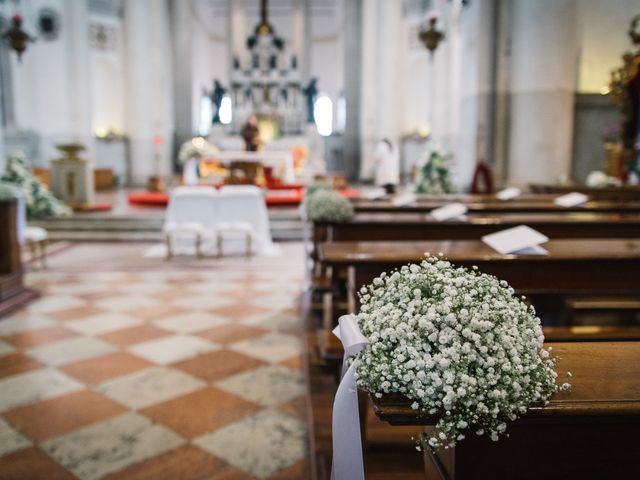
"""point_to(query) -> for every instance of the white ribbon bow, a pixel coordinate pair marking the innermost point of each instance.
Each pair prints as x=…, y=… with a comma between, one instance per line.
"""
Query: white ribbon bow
x=347, y=444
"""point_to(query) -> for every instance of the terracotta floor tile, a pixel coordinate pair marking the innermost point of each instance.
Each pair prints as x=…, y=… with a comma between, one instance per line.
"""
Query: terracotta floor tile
x=296, y=408
x=60, y=415
x=244, y=293
x=75, y=313
x=217, y=365
x=17, y=363
x=99, y=369
x=186, y=463
x=129, y=336
x=35, y=338
x=231, y=333
x=32, y=464
x=201, y=411
x=156, y=313
x=238, y=311
x=93, y=296
x=294, y=363
x=298, y=471
x=177, y=293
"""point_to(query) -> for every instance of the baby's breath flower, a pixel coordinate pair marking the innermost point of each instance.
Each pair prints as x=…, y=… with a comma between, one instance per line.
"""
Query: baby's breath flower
x=457, y=343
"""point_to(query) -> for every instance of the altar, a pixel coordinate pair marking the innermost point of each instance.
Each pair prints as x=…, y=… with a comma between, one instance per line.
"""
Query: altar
x=281, y=162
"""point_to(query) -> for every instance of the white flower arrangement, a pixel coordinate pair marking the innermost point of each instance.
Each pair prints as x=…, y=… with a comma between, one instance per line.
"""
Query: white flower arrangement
x=456, y=342
x=434, y=176
x=39, y=201
x=197, y=148
x=328, y=206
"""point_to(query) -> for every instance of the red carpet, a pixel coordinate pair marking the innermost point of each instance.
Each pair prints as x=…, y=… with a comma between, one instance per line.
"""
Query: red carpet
x=280, y=196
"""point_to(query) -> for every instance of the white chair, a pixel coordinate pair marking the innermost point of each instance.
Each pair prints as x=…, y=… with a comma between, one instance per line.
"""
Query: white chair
x=34, y=238
x=191, y=214
x=243, y=211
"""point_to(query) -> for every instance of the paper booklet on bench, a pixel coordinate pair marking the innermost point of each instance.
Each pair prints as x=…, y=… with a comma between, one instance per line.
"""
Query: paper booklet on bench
x=374, y=194
x=572, y=199
x=508, y=193
x=404, y=199
x=450, y=211
x=521, y=240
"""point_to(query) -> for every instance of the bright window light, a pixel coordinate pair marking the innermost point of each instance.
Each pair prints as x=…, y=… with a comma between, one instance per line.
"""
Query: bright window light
x=226, y=110
x=323, y=113
x=206, y=114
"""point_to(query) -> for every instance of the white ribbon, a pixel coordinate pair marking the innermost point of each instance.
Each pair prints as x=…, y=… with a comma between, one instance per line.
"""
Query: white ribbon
x=347, y=443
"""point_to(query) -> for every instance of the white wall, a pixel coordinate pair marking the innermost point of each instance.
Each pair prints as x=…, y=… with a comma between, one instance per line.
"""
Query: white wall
x=603, y=27
x=52, y=82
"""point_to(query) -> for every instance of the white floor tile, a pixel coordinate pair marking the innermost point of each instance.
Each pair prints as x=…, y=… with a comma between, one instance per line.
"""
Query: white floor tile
x=25, y=388
x=148, y=387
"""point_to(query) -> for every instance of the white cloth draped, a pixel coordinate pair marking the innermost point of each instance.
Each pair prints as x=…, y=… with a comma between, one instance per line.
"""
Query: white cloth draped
x=347, y=444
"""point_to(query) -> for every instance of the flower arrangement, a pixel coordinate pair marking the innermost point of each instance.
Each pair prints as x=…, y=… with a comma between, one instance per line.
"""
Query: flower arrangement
x=456, y=342
x=196, y=148
x=326, y=205
x=8, y=192
x=39, y=201
x=433, y=176
x=314, y=186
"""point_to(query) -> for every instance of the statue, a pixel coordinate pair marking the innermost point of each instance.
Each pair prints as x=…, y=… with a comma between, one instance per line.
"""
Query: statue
x=251, y=134
x=311, y=93
x=216, y=97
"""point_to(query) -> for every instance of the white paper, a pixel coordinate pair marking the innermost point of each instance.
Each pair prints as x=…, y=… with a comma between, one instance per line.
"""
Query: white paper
x=449, y=211
x=508, y=193
x=535, y=250
x=374, y=194
x=517, y=240
x=404, y=199
x=572, y=199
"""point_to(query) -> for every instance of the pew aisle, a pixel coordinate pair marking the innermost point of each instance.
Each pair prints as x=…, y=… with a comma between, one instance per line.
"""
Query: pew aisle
x=133, y=368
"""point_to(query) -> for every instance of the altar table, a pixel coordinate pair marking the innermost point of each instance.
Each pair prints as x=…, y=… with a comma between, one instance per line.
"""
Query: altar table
x=280, y=161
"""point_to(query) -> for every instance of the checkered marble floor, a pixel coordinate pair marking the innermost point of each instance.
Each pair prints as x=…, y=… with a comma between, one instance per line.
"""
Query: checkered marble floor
x=174, y=373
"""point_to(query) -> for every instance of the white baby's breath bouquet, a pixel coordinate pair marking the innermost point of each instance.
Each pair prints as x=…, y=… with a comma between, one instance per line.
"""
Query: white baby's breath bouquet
x=197, y=148
x=328, y=206
x=456, y=342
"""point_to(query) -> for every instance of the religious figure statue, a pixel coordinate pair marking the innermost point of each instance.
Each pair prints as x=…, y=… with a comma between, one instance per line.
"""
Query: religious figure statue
x=311, y=93
x=216, y=97
x=251, y=134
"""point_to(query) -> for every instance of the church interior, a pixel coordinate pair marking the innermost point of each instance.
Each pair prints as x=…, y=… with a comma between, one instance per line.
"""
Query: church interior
x=314, y=239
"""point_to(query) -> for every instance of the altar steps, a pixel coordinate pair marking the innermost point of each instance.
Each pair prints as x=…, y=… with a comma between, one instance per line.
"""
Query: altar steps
x=285, y=225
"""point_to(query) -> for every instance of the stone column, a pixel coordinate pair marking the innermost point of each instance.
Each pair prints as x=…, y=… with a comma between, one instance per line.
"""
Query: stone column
x=148, y=88
x=301, y=36
x=237, y=32
x=79, y=73
x=543, y=81
x=353, y=12
x=182, y=48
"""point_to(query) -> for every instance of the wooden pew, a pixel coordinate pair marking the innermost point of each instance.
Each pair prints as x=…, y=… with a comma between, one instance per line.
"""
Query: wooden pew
x=574, y=267
x=497, y=206
x=421, y=226
x=621, y=193
x=588, y=433
x=331, y=351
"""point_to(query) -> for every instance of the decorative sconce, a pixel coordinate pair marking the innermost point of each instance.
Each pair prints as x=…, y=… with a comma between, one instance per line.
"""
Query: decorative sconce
x=16, y=37
x=429, y=34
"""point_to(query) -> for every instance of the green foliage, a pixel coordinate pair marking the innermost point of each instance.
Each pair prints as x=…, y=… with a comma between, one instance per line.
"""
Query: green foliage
x=433, y=177
x=328, y=206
